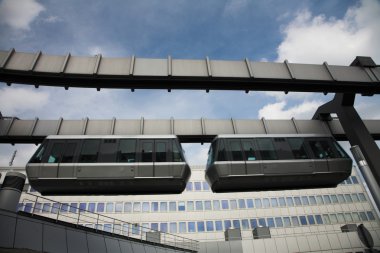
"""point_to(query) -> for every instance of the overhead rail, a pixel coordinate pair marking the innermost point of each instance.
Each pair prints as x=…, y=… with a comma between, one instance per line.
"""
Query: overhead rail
x=201, y=74
x=14, y=130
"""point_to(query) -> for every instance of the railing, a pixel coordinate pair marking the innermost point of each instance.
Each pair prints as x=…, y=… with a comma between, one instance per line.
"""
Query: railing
x=64, y=212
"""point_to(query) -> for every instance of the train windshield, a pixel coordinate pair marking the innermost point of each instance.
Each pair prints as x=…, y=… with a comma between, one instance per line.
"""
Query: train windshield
x=37, y=157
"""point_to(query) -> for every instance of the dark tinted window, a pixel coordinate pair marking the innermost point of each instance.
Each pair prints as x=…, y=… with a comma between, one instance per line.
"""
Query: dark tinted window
x=56, y=152
x=89, y=153
x=177, y=156
x=68, y=155
x=322, y=149
x=221, y=151
x=298, y=148
x=127, y=151
x=161, y=154
x=282, y=148
x=266, y=149
x=147, y=151
x=235, y=149
x=248, y=151
x=108, y=151
x=211, y=153
x=341, y=152
x=37, y=157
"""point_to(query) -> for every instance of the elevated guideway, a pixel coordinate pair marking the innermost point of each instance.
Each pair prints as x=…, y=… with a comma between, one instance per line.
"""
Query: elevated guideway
x=362, y=77
x=14, y=130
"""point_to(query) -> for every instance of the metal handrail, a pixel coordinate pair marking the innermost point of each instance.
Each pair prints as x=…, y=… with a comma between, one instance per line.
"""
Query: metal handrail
x=75, y=215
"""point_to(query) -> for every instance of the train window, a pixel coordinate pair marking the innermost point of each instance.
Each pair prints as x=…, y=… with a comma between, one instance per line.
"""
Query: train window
x=107, y=151
x=221, y=151
x=56, y=152
x=161, y=154
x=298, y=148
x=37, y=157
x=68, y=155
x=127, y=151
x=340, y=150
x=266, y=149
x=322, y=149
x=211, y=153
x=176, y=153
x=147, y=151
x=283, y=149
x=89, y=153
x=235, y=149
x=249, y=151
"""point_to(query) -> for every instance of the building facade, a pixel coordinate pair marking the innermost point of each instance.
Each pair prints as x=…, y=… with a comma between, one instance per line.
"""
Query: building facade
x=299, y=220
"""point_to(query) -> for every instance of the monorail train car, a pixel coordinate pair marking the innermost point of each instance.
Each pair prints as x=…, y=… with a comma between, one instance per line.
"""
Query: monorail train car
x=104, y=165
x=275, y=162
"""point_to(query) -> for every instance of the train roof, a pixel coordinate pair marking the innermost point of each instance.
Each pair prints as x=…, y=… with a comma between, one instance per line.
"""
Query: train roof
x=111, y=137
x=228, y=136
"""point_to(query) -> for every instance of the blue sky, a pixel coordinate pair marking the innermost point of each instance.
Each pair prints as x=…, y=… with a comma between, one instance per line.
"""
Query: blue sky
x=300, y=31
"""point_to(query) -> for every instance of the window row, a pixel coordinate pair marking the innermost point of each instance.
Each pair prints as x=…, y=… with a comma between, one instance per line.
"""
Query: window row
x=244, y=224
x=197, y=186
x=194, y=205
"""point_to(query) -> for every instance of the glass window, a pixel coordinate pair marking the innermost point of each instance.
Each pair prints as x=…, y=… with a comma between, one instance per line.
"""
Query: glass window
x=46, y=208
x=161, y=154
x=355, y=197
x=348, y=217
x=310, y=219
x=56, y=153
x=227, y=224
x=354, y=179
x=298, y=148
x=68, y=155
x=348, y=181
x=201, y=226
x=208, y=205
x=182, y=227
x=82, y=207
x=209, y=226
x=266, y=203
x=250, y=203
x=236, y=223
x=333, y=218
x=145, y=207
x=154, y=226
x=173, y=227
x=287, y=222
x=270, y=222
x=177, y=155
x=245, y=223
x=126, y=227
x=221, y=151
x=28, y=207
x=327, y=199
x=348, y=198
x=181, y=206
x=100, y=207
x=341, y=198
x=274, y=202
x=190, y=206
x=118, y=207
x=303, y=220
x=91, y=207
x=199, y=205
x=355, y=216
x=279, y=223
x=334, y=198
x=253, y=223
x=225, y=204
x=266, y=149
x=297, y=201
x=322, y=149
x=258, y=203
x=205, y=185
x=295, y=221
x=362, y=197
x=37, y=157
x=109, y=207
x=249, y=151
x=54, y=208
x=233, y=204
x=191, y=227
x=363, y=216
x=163, y=206
x=216, y=204
x=154, y=206
x=89, y=153
x=326, y=219
x=164, y=227
x=289, y=200
x=127, y=207
x=147, y=151
x=172, y=206
x=189, y=186
x=135, y=229
x=262, y=222
x=136, y=207
x=318, y=218
x=282, y=201
x=305, y=200
x=313, y=200
x=341, y=152
x=117, y=228
x=241, y=203
x=127, y=151
x=108, y=228
x=218, y=225
x=370, y=215
x=198, y=186
x=340, y=217
x=73, y=207
x=320, y=200
x=108, y=150
x=235, y=150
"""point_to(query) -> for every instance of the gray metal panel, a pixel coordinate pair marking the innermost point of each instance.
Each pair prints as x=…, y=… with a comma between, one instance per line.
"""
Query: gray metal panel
x=3, y=55
x=20, y=61
x=96, y=243
x=372, y=125
x=224, y=247
x=249, y=127
x=150, y=249
x=157, y=126
x=138, y=248
x=28, y=235
x=21, y=127
x=229, y=69
x=376, y=72
x=49, y=63
x=280, y=127
x=114, y=66
x=51, y=243
x=336, y=127
x=4, y=125
x=352, y=74
x=126, y=246
x=112, y=245
x=99, y=127
x=215, y=126
x=312, y=127
x=144, y=170
x=236, y=247
x=189, y=68
x=310, y=72
x=45, y=127
x=127, y=127
x=150, y=67
x=187, y=127
x=270, y=70
x=70, y=127
x=80, y=65
x=7, y=228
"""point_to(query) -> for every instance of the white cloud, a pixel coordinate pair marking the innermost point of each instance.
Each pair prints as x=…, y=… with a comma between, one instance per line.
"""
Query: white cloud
x=196, y=154
x=52, y=19
x=19, y=14
x=280, y=96
x=278, y=110
x=315, y=39
x=15, y=101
